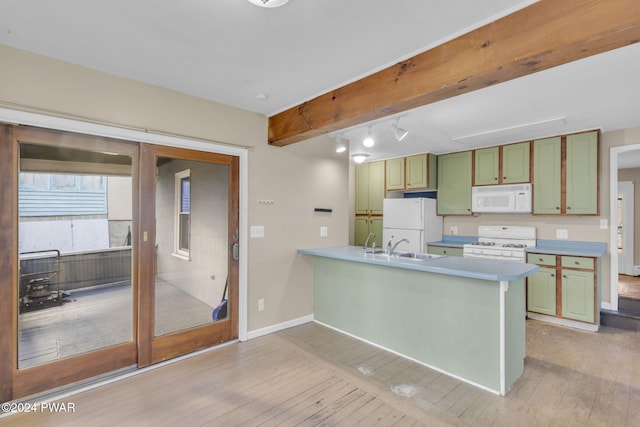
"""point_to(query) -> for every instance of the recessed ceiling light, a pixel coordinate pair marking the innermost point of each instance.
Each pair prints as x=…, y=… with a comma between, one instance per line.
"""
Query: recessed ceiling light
x=262, y=96
x=269, y=3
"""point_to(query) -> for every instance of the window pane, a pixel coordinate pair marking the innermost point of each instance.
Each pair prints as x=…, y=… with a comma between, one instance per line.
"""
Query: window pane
x=184, y=232
x=66, y=182
x=185, y=195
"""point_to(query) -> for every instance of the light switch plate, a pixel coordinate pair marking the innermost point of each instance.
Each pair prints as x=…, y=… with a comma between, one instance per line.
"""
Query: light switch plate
x=562, y=234
x=604, y=223
x=324, y=231
x=256, y=231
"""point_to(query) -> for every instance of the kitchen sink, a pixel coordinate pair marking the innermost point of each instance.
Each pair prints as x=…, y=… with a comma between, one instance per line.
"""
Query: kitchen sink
x=410, y=256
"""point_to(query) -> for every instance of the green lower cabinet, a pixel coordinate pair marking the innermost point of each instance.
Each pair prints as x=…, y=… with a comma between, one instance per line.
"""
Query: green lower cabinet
x=366, y=225
x=541, y=292
x=578, y=295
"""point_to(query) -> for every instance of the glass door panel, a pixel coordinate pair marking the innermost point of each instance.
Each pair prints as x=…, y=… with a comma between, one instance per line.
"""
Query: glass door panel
x=192, y=209
x=75, y=212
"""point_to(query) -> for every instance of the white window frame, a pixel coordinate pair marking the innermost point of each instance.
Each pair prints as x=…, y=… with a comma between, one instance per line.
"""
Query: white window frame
x=177, y=237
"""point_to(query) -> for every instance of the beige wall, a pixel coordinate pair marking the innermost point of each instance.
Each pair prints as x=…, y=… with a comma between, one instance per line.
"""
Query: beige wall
x=296, y=178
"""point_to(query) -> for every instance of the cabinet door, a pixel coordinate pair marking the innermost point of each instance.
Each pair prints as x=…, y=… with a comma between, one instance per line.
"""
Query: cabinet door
x=547, y=179
x=454, y=184
x=362, y=231
x=515, y=163
x=417, y=171
x=395, y=174
x=541, y=291
x=376, y=187
x=487, y=166
x=578, y=295
x=362, y=189
x=582, y=174
x=375, y=226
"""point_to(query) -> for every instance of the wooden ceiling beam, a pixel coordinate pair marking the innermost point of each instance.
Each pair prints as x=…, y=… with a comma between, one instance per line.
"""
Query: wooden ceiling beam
x=544, y=35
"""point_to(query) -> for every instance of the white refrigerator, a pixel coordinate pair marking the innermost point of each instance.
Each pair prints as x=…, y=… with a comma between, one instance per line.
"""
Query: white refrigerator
x=412, y=219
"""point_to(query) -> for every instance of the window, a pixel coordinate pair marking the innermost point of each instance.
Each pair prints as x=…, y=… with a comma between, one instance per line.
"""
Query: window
x=183, y=212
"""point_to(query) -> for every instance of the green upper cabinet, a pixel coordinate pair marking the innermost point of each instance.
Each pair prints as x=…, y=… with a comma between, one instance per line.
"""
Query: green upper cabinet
x=369, y=188
x=515, y=163
x=418, y=171
x=454, y=183
x=547, y=176
x=582, y=174
x=487, y=167
x=395, y=174
x=412, y=172
x=508, y=164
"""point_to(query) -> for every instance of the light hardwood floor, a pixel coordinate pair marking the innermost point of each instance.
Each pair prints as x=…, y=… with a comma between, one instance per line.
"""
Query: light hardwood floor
x=311, y=375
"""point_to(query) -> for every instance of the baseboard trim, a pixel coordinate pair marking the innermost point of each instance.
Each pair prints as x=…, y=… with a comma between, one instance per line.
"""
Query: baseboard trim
x=564, y=322
x=279, y=326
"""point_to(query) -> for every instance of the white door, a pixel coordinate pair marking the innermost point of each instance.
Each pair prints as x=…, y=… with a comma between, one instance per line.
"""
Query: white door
x=625, y=227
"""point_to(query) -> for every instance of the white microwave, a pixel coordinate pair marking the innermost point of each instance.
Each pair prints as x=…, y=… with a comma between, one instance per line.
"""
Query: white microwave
x=512, y=198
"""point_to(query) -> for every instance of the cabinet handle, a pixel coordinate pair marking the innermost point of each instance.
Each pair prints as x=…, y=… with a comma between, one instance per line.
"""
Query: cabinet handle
x=564, y=276
x=540, y=259
x=568, y=207
x=553, y=275
x=495, y=179
x=504, y=177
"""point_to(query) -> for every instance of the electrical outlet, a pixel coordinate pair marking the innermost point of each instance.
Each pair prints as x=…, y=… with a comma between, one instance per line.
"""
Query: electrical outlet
x=324, y=231
x=604, y=223
x=261, y=304
x=562, y=234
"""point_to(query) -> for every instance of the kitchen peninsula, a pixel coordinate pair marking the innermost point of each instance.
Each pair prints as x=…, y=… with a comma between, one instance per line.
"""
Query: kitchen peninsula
x=463, y=317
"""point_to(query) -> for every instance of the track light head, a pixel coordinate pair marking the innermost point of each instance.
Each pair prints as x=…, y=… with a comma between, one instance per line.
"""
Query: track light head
x=368, y=139
x=398, y=132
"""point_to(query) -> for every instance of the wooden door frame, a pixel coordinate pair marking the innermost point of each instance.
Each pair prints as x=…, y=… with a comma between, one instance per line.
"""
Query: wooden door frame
x=151, y=348
x=15, y=382
x=9, y=227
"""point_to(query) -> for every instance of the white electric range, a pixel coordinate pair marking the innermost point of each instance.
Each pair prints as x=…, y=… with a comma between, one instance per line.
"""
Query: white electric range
x=508, y=243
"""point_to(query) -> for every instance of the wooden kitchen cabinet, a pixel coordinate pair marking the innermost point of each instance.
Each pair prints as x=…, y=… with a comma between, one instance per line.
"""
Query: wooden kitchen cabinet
x=395, y=174
x=541, y=291
x=506, y=164
x=568, y=187
x=578, y=295
x=565, y=287
x=412, y=173
x=445, y=250
x=582, y=174
x=369, y=188
x=366, y=225
x=454, y=183
x=547, y=176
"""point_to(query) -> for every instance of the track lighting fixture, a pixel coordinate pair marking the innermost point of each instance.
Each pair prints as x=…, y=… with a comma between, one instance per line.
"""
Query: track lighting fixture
x=368, y=139
x=341, y=146
x=398, y=132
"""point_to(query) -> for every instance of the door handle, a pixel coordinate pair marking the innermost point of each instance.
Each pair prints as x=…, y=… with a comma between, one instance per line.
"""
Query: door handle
x=235, y=251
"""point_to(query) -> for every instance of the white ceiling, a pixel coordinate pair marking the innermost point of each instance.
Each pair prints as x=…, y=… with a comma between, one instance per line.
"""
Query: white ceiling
x=229, y=51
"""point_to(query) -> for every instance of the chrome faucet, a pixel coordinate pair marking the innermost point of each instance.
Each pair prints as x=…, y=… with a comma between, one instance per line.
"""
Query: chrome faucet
x=366, y=243
x=396, y=245
x=389, y=245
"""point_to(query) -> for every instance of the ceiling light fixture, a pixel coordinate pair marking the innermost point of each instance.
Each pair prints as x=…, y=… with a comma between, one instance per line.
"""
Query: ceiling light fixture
x=359, y=157
x=368, y=139
x=268, y=3
x=341, y=146
x=398, y=132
